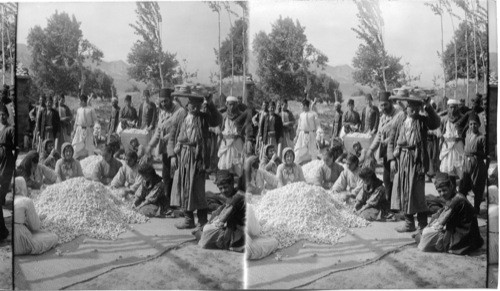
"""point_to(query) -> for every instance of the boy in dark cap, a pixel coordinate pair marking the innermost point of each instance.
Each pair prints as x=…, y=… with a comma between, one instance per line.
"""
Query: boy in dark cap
x=370, y=116
x=147, y=113
x=454, y=228
x=226, y=229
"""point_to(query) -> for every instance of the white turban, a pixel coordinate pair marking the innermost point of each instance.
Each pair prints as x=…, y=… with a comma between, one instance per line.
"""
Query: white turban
x=453, y=102
x=231, y=99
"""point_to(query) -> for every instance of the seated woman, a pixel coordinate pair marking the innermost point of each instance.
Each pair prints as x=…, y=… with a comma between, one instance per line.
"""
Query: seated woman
x=34, y=173
x=371, y=204
x=107, y=168
x=255, y=180
x=349, y=183
x=226, y=228
x=29, y=239
x=128, y=180
x=289, y=172
x=270, y=159
x=49, y=156
x=67, y=167
x=150, y=197
x=330, y=170
x=454, y=228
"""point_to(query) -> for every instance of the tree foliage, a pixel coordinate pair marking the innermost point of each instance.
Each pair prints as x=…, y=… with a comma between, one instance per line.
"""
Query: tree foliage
x=99, y=83
x=236, y=33
x=149, y=63
x=61, y=55
x=449, y=53
x=284, y=59
x=374, y=66
x=325, y=88
x=8, y=48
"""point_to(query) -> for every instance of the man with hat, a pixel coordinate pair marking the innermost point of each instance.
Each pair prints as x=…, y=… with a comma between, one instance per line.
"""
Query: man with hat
x=128, y=114
x=114, y=118
x=48, y=123
x=407, y=151
x=453, y=128
x=370, y=116
x=337, y=120
x=351, y=120
x=389, y=118
x=165, y=136
x=65, y=117
x=475, y=170
x=454, y=228
x=147, y=113
x=230, y=152
x=226, y=229
x=188, y=190
x=463, y=109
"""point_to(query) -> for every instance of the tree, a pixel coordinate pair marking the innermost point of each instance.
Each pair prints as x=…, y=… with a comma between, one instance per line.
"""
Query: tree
x=182, y=74
x=99, y=83
x=235, y=47
x=325, y=88
x=149, y=63
x=60, y=55
x=437, y=8
x=462, y=56
x=8, y=38
x=375, y=67
x=284, y=59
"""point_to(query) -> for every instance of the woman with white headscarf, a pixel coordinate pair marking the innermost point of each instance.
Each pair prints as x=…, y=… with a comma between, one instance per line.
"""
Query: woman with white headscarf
x=29, y=239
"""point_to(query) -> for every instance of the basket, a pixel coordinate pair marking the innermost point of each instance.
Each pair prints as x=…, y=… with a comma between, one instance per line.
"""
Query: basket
x=364, y=139
x=142, y=136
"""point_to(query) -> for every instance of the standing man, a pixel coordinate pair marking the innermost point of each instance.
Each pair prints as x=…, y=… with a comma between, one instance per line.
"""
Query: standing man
x=389, y=118
x=166, y=136
x=453, y=128
x=147, y=113
x=270, y=129
x=83, y=140
x=231, y=147
x=337, y=120
x=65, y=116
x=48, y=124
x=350, y=120
x=370, y=117
x=288, y=125
x=188, y=190
x=128, y=114
x=114, y=119
x=306, y=148
x=407, y=151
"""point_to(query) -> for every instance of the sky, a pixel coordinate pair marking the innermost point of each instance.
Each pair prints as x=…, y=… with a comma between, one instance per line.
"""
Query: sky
x=190, y=29
x=412, y=31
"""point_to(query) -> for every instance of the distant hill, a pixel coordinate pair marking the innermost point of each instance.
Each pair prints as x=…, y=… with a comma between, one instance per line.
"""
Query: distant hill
x=342, y=74
x=116, y=69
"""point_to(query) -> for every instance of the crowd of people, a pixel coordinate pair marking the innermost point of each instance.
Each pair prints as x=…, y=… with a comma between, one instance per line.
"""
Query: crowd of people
x=251, y=151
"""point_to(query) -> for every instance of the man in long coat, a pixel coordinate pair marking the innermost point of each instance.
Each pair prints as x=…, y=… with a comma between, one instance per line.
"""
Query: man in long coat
x=189, y=182
x=166, y=135
x=409, y=148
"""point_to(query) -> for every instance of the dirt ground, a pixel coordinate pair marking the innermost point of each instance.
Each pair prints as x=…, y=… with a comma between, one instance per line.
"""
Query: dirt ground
x=187, y=267
x=411, y=269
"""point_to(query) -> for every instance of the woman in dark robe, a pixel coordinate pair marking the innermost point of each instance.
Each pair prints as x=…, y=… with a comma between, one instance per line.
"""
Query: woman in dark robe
x=7, y=163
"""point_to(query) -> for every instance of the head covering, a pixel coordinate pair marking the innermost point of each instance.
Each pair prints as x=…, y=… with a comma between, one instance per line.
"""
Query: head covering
x=453, y=102
x=65, y=146
x=286, y=150
x=224, y=177
x=474, y=117
x=410, y=97
x=266, y=148
x=21, y=188
x=306, y=102
x=350, y=102
x=128, y=98
x=231, y=99
x=45, y=143
x=384, y=96
x=442, y=180
x=165, y=92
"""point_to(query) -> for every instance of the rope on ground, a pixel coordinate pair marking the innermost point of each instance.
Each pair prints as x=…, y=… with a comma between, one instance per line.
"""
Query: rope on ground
x=130, y=264
x=395, y=250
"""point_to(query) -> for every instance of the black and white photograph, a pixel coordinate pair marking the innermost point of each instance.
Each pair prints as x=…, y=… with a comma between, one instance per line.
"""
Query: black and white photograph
x=380, y=177
x=343, y=144
x=121, y=111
